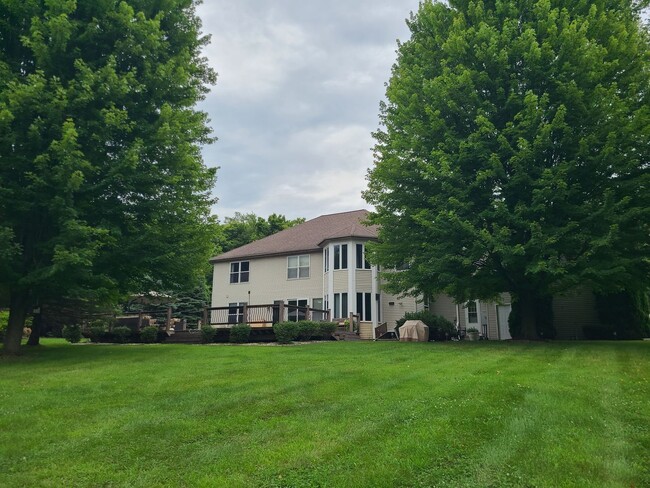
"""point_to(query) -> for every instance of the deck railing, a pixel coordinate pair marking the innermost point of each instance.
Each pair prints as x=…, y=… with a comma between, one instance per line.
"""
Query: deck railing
x=261, y=315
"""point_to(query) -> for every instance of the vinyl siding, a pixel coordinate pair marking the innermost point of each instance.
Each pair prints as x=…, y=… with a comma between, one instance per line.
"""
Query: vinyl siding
x=268, y=282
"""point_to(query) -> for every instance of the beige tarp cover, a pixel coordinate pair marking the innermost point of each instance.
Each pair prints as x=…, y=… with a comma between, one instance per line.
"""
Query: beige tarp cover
x=414, y=331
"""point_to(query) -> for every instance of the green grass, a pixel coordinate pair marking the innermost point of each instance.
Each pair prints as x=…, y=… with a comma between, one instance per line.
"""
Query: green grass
x=327, y=414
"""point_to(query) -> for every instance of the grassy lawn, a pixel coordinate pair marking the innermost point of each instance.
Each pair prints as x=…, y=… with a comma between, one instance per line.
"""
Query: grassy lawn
x=327, y=414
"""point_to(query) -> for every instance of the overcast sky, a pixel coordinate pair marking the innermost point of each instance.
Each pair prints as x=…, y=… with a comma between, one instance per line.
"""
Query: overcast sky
x=297, y=99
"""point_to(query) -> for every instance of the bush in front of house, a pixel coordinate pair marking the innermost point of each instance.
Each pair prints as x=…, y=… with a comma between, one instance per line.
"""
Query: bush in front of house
x=324, y=330
x=71, y=333
x=122, y=334
x=285, y=332
x=440, y=329
x=240, y=333
x=306, y=329
x=149, y=334
x=97, y=331
x=208, y=334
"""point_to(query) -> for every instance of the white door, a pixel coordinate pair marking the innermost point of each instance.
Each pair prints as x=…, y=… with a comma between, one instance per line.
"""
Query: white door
x=503, y=312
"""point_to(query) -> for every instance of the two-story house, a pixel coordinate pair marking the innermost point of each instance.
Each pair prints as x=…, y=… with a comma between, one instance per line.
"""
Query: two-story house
x=321, y=264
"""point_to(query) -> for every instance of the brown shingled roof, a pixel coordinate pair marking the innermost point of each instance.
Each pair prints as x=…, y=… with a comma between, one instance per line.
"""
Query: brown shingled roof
x=305, y=237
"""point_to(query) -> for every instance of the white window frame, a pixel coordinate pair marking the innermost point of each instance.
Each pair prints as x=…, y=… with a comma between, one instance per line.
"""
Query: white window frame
x=299, y=268
x=297, y=303
x=364, y=264
x=239, y=273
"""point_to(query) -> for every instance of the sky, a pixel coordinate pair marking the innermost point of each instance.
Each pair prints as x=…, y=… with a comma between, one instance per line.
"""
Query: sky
x=297, y=99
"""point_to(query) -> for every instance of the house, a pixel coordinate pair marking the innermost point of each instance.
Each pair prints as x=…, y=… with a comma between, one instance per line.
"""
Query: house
x=320, y=264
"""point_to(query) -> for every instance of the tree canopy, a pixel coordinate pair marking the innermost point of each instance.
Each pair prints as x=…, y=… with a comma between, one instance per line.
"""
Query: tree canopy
x=102, y=187
x=244, y=228
x=515, y=150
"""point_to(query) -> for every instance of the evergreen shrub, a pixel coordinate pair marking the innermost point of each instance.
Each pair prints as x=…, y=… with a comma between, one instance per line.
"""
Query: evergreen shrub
x=285, y=332
x=240, y=333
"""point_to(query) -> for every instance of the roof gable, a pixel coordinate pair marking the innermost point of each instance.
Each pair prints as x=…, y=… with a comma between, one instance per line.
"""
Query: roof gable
x=305, y=237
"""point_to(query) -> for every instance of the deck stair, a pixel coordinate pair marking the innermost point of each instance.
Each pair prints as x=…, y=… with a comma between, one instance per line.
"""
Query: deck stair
x=344, y=335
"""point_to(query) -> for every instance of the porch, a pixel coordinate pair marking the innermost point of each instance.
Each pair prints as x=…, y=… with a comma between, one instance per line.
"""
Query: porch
x=260, y=316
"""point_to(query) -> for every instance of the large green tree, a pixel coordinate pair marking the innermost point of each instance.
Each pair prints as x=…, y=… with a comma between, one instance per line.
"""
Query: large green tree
x=244, y=228
x=102, y=187
x=515, y=151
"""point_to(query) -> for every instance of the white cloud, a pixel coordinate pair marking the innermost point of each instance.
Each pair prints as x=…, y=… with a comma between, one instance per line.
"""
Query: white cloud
x=297, y=99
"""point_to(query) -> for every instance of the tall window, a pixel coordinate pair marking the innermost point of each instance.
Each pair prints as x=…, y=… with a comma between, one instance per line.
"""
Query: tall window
x=239, y=272
x=327, y=259
x=340, y=305
x=340, y=256
x=361, y=257
x=236, y=312
x=296, y=309
x=298, y=267
x=364, y=306
x=472, y=312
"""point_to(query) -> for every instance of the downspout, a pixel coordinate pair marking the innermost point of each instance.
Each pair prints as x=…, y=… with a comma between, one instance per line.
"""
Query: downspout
x=374, y=289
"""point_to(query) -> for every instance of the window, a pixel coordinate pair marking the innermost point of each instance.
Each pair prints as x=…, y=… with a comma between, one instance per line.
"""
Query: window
x=340, y=305
x=327, y=259
x=364, y=306
x=472, y=313
x=298, y=267
x=340, y=256
x=296, y=309
x=239, y=272
x=361, y=257
x=236, y=312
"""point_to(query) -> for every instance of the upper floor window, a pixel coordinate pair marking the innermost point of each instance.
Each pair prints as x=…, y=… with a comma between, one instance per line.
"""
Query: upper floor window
x=340, y=256
x=239, y=272
x=327, y=259
x=362, y=263
x=298, y=267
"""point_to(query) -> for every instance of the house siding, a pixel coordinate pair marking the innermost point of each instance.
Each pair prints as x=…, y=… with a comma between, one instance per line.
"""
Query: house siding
x=341, y=281
x=392, y=313
x=268, y=282
x=364, y=280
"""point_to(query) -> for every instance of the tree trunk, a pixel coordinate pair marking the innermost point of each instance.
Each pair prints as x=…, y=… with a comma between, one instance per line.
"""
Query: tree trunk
x=528, y=316
x=18, y=303
x=35, y=336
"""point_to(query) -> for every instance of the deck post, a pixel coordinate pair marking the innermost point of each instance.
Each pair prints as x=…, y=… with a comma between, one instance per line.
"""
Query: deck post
x=139, y=321
x=169, y=318
x=205, y=318
x=244, y=314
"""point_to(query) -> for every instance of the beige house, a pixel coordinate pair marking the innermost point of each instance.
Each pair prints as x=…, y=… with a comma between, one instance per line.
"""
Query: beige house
x=321, y=264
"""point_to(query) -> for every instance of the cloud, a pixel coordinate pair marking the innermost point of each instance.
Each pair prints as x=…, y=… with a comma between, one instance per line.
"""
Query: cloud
x=297, y=99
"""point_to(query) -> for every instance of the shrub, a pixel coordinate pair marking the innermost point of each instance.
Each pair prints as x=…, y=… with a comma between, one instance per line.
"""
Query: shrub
x=72, y=333
x=324, y=330
x=97, y=331
x=306, y=329
x=623, y=315
x=440, y=329
x=4, y=322
x=208, y=333
x=285, y=332
x=122, y=334
x=543, y=319
x=240, y=333
x=149, y=334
